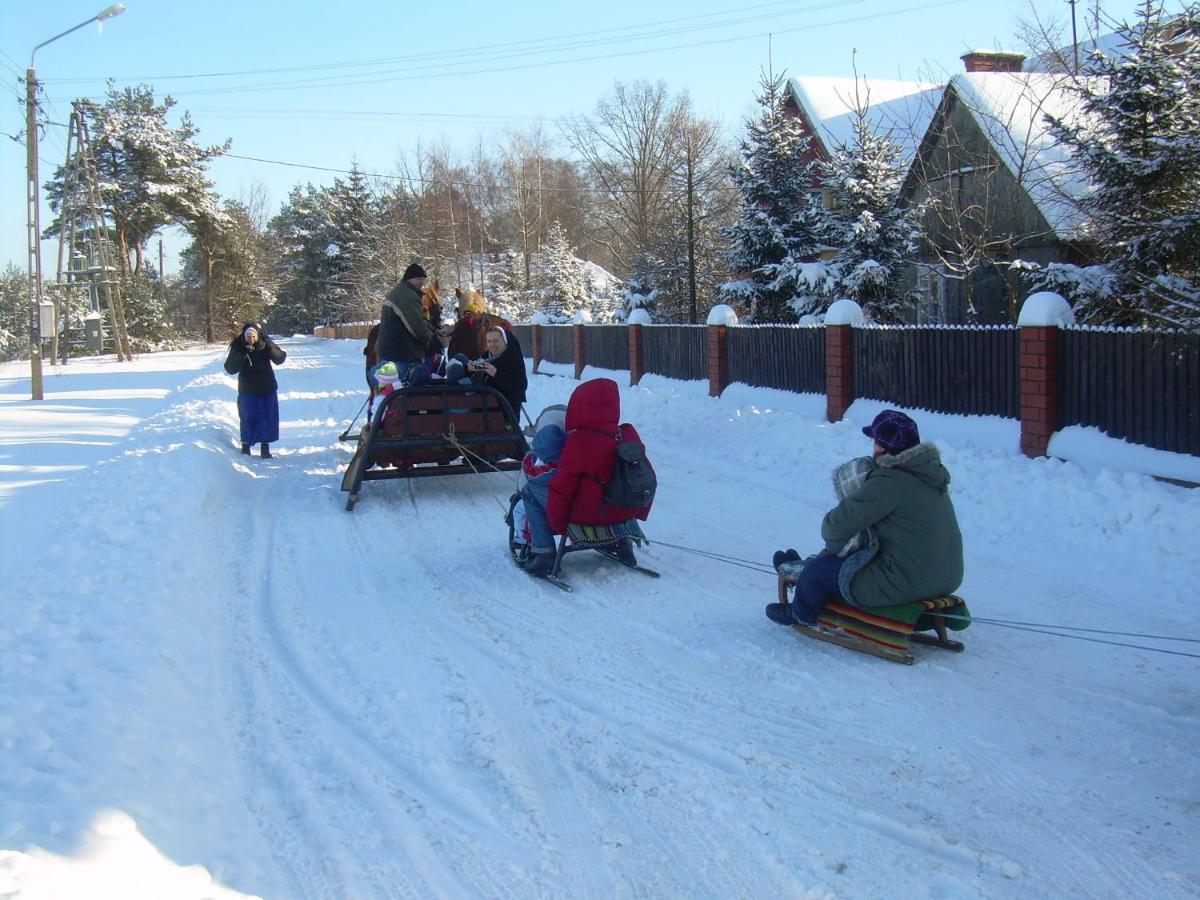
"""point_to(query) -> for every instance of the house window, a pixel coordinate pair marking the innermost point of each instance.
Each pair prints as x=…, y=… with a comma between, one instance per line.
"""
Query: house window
x=931, y=294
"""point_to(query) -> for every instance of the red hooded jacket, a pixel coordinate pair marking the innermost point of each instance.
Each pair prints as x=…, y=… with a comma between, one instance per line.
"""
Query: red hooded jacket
x=588, y=459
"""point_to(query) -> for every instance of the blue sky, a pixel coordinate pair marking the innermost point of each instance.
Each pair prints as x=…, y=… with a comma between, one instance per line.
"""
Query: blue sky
x=326, y=83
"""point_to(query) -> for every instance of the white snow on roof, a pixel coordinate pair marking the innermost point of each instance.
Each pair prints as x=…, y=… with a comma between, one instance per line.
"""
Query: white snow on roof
x=902, y=108
x=1011, y=109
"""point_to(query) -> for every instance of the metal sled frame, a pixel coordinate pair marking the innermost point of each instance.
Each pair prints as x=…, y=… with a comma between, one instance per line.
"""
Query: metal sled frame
x=427, y=430
x=602, y=540
x=855, y=629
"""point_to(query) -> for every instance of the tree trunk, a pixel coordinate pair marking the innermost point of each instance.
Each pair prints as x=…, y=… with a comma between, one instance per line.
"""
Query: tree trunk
x=210, y=329
x=691, y=238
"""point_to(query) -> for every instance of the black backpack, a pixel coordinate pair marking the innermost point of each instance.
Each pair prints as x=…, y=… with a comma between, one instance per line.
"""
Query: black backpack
x=633, y=481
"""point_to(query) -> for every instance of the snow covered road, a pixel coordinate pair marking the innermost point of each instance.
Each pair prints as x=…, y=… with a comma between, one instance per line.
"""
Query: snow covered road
x=206, y=660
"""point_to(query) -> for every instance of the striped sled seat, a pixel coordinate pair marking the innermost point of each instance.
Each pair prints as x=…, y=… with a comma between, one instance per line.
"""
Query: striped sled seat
x=601, y=538
x=885, y=631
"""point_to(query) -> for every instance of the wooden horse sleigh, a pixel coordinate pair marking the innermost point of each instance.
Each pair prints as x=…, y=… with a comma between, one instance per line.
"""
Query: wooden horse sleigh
x=884, y=631
x=435, y=429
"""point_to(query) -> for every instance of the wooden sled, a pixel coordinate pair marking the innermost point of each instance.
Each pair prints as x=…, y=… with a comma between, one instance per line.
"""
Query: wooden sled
x=868, y=632
x=432, y=430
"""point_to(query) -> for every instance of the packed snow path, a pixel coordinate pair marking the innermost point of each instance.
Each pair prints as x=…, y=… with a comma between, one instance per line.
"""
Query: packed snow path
x=205, y=659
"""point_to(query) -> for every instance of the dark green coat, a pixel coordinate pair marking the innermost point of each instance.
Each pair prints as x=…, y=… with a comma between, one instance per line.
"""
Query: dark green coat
x=906, y=503
x=403, y=331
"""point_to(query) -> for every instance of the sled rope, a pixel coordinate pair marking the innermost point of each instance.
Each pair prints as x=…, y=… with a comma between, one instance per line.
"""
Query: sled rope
x=754, y=566
x=1132, y=634
x=1035, y=627
x=467, y=454
x=1091, y=640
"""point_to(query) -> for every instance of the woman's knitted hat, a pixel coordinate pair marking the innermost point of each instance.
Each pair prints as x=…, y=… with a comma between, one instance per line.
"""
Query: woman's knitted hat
x=893, y=431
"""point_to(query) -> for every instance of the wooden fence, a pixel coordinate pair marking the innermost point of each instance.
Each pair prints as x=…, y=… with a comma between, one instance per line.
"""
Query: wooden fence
x=1140, y=386
x=788, y=357
x=969, y=371
x=675, y=351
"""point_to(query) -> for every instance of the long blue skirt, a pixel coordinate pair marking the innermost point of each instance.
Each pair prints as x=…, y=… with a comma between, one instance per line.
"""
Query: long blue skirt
x=260, y=418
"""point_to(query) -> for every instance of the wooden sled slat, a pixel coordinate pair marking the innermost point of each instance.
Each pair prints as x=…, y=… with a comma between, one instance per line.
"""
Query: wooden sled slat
x=850, y=643
x=869, y=632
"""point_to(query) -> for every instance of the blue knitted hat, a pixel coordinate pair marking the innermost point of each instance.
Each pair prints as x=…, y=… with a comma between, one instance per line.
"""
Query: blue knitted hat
x=548, y=443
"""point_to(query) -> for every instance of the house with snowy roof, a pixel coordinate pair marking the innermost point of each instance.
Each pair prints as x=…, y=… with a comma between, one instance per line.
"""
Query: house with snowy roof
x=826, y=108
x=995, y=186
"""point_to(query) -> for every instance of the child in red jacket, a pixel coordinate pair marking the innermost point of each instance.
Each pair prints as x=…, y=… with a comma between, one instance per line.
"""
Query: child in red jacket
x=575, y=494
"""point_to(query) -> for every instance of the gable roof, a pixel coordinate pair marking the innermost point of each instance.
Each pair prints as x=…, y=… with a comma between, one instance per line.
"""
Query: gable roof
x=902, y=109
x=1010, y=109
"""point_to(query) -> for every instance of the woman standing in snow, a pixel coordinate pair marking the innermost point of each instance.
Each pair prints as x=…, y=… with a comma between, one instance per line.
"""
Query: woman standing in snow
x=251, y=355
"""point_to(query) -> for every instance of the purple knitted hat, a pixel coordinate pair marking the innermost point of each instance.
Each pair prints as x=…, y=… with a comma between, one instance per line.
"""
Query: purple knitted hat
x=893, y=431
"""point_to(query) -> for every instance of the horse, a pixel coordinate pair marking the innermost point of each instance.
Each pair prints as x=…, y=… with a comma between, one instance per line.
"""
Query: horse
x=469, y=336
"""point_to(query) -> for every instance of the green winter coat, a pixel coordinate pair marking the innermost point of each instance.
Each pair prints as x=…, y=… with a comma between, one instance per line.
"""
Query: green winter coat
x=403, y=331
x=906, y=502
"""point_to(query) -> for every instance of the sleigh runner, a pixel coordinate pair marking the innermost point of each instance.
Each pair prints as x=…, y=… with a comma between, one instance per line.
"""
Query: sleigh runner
x=604, y=539
x=884, y=631
x=430, y=430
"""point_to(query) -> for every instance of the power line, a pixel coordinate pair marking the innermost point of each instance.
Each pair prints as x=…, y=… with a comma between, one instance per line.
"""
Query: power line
x=318, y=83
x=441, y=182
x=408, y=59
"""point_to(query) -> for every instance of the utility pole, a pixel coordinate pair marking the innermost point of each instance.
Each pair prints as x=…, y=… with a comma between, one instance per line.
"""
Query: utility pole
x=34, y=229
x=32, y=202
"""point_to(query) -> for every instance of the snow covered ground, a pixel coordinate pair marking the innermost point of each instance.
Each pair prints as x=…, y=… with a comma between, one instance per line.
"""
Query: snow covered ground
x=215, y=682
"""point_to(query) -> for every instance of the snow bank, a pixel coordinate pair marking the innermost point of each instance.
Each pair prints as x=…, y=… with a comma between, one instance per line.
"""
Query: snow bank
x=215, y=681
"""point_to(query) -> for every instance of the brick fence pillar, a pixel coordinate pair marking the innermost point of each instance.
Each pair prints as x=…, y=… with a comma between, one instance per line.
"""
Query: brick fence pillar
x=579, y=343
x=637, y=364
x=1040, y=348
x=536, y=349
x=718, y=359
x=839, y=370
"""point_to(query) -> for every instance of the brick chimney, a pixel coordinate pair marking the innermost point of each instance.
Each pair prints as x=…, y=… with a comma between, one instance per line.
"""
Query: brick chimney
x=992, y=61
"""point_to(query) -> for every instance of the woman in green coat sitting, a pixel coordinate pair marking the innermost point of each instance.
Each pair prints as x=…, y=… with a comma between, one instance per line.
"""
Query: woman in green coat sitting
x=915, y=548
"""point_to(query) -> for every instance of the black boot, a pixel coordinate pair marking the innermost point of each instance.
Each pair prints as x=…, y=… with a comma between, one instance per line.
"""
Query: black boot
x=783, y=556
x=265, y=450
x=780, y=613
x=540, y=564
x=245, y=449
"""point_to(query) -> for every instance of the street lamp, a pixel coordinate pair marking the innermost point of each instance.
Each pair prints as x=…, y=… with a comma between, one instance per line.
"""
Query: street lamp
x=32, y=213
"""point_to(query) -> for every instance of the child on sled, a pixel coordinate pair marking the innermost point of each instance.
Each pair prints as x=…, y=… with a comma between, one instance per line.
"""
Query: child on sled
x=537, y=468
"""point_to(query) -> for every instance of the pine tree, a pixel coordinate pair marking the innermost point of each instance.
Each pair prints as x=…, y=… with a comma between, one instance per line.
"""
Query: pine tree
x=151, y=174
x=642, y=287
x=302, y=232
x=560, y=283
x=873, y=237
x=350, y=212
x=14, y=313
x=1139, y=142
x=775, y=226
